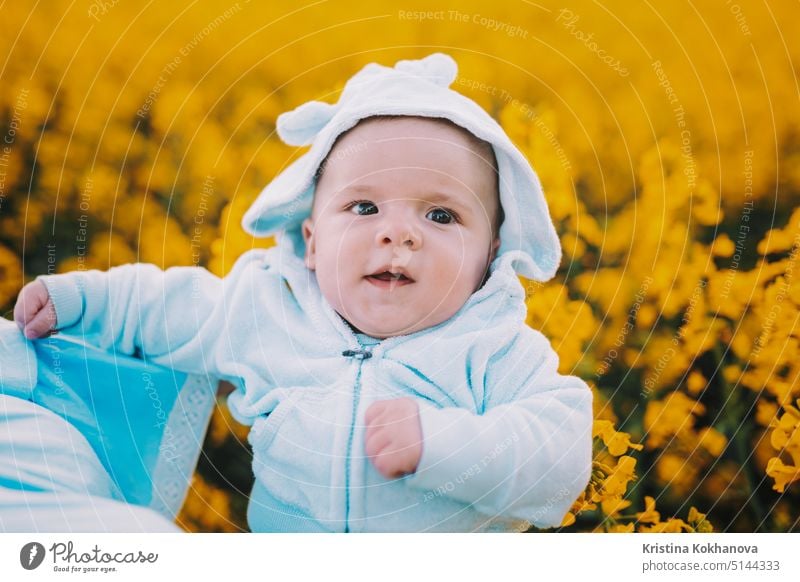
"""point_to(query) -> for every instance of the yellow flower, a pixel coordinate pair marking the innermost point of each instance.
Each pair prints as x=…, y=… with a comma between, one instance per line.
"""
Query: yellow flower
x=706, y=206
x=699, y=522
x=649, y=515
x=722, y=246
x=695, y=382
x=712, y=440
x=783, y=474
x=207, y=508
x=766, y=412
x=612, y=507
x=763, y=449
x=786, y=433
x=646, y=316
x=569, y=519
x=732, y=373
x=676, y=471
x=669, y=417
x=618, y=443
x=775, y=241
x=573, y=246
x=617, y=481
x=584, y=503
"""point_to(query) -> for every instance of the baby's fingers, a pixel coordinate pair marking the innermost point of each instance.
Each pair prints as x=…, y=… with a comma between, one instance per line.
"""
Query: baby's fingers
x=374, y=411
x=28, y=305
x=376, y=441
x=35, y=315
x=42, y=323
x=32, y=301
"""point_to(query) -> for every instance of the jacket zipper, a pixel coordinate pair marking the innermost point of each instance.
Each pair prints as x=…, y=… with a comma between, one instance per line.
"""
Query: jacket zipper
x=359, y=355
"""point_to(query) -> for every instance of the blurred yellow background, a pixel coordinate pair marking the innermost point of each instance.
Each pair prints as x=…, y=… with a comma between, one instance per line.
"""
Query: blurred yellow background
x=666, y=138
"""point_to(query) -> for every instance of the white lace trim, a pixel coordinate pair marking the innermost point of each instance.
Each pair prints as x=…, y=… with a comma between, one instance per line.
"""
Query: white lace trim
x=181, y=445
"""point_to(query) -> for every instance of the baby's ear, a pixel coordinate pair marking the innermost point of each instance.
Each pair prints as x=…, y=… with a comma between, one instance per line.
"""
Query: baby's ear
x=308, y=237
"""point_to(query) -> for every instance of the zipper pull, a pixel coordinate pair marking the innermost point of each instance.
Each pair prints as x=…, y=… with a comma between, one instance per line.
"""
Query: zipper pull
x=358, y=354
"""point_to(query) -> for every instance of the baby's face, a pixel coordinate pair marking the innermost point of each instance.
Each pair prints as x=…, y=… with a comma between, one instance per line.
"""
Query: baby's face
x=402, y=228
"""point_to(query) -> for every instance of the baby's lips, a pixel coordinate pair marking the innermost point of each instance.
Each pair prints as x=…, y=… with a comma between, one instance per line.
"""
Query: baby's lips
x=392, y=279
x=392, y=273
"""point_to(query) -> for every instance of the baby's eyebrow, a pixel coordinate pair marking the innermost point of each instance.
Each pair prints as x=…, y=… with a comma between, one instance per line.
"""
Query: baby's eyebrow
x=454, y=202
x=442, y=197
x=356, y=188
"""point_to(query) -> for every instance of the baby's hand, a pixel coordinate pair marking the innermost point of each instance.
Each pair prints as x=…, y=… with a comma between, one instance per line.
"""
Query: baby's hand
x=34, y=312
x=394, y=436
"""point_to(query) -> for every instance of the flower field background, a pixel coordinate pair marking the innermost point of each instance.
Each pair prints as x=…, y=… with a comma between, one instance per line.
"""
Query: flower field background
x=667, y=139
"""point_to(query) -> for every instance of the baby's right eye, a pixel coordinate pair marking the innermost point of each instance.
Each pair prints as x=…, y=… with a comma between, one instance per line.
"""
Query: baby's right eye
x=362, y=208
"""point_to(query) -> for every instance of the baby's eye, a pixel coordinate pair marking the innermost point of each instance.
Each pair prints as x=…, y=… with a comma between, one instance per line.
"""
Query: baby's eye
x=363, y=208
x=441, y=216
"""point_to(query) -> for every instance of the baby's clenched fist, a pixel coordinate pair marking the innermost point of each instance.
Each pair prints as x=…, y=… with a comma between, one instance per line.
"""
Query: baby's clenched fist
x=34, y=312
x=393, y=439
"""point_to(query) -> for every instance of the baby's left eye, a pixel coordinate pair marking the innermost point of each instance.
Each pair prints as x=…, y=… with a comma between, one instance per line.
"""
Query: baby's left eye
x=441, y=216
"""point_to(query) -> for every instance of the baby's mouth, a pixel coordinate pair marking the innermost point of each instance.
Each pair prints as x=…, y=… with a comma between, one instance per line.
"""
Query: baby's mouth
x=388, y=278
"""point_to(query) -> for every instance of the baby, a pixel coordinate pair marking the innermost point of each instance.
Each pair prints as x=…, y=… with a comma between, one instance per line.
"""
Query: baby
x=380, y=350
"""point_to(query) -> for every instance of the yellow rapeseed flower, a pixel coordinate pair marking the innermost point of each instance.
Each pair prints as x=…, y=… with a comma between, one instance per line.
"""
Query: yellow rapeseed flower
x=618, y=443
x=649, y=515
x=617, y=481
x=699, y=521
x=782, y=474
x=669, y=417
x=712, y=440
x=722, y=246
x=695, y=383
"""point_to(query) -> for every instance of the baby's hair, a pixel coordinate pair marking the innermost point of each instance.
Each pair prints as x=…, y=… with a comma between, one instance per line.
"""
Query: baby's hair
x=480, y=147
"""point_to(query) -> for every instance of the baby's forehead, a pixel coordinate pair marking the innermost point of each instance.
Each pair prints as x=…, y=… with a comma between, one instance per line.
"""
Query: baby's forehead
x=405, y=142
x=413, y=127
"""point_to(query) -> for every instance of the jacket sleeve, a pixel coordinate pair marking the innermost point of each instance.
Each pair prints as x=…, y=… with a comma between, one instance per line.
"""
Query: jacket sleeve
x=169, y=317
x=528, y=453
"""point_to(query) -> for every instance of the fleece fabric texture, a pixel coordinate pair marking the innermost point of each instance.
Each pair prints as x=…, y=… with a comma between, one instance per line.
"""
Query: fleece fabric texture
x=506, y=438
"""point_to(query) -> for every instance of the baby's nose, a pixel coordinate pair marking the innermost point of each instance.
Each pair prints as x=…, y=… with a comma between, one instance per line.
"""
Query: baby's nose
x=399, y=232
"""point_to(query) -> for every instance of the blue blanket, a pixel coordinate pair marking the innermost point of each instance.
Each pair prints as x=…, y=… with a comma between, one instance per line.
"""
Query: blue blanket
x=94, y=441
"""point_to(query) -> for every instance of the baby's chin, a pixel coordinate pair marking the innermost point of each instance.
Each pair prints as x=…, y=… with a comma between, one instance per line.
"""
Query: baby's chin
x=383, y=329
